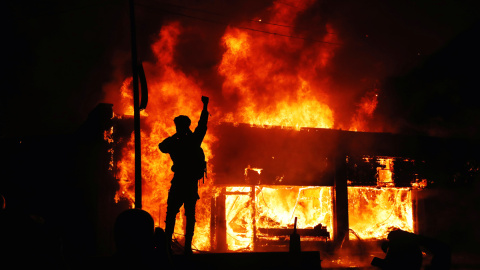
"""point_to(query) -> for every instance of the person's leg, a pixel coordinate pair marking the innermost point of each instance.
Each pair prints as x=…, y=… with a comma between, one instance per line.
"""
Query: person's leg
x=174, y=202
x=190, y=226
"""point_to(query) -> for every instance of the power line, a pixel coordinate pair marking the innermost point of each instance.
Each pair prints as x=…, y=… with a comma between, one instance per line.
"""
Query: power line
x=240, y=27
x=79, y=8
x=226, y=16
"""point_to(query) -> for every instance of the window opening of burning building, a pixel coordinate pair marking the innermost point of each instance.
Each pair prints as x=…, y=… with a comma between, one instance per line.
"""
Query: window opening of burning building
x=260, y=217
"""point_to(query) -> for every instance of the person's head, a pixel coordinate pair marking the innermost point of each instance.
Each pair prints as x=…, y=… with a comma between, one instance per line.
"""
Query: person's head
x=134, y=231
x=182, y=123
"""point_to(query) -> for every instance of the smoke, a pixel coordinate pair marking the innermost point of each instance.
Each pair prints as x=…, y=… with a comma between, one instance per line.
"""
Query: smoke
x=73, y=55
x=346, y=50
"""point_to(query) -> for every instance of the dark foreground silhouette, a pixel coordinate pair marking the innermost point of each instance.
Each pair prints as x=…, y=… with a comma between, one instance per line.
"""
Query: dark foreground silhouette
x=404, y=251
x=139, y=245
x=27, y=241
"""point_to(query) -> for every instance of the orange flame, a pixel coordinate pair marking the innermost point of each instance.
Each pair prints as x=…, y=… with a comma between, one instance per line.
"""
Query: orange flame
x=265, y=88
x=171, y=93
x=374, y=212
x=365, y=110
x=268, y=92
x=275, y=207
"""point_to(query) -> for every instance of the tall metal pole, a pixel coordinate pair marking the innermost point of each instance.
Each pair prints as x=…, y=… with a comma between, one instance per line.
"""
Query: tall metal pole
x=341, y=230
x=136, y=111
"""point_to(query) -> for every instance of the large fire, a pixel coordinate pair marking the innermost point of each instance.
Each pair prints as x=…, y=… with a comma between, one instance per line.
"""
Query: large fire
x=274, y=207
x=374, y=212
x=270, y=80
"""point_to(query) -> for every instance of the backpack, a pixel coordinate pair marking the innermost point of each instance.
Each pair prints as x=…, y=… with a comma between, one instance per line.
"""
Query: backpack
x=200, y=168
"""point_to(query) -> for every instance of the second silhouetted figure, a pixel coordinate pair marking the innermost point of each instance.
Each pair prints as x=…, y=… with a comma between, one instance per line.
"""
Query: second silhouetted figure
x=189, y=166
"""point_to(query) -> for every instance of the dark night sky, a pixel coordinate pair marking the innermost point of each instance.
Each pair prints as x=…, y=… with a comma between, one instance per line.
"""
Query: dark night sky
x=60, y=54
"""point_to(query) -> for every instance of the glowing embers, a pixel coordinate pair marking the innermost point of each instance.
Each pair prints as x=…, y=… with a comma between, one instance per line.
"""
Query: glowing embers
x=239, y=218
x=373, y=212
x=385, y=172
x=260, y=218
x=108, y=137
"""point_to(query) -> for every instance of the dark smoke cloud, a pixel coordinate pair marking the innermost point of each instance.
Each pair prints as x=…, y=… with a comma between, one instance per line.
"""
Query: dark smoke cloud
x=380, y=40
x=60, y=54
x=385, y=39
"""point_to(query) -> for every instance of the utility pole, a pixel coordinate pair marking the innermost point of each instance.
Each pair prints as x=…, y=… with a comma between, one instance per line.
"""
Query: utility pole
x=136, y=111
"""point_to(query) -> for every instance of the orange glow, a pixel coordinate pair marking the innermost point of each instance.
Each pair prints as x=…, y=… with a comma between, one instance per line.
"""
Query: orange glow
x=374, y=212
x=171, y=93
x=365, y=110
x=268, y=93
x=264, y=88
x=108, y=137
x=269, y=90
x=238, y=216
x=275, y=207
x=257, y=170
x=385, y=173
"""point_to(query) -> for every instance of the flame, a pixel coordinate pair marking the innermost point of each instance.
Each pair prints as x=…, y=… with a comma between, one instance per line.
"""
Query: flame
x=275, y=207
x=385, y=174
x=270, y=80
x=365, y=110
x=108, y=137
x=171, y=93
x=374, y=212
x=257, y=170
x=267, y=91
x=239, y=219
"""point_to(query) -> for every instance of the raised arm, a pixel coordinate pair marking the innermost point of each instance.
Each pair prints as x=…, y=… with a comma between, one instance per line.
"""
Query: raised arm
x=204, y=115
x=201, y=128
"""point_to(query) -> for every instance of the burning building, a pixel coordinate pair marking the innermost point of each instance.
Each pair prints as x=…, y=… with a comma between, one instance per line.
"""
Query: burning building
x=334, y=181
x=341, y=186
x=289, y=159
x=279, y=145
x=288, y=138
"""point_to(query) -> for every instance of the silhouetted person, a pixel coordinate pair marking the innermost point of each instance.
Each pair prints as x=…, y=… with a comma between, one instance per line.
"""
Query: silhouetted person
x=404, y=252
x=135, y=241
x=189, y=166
